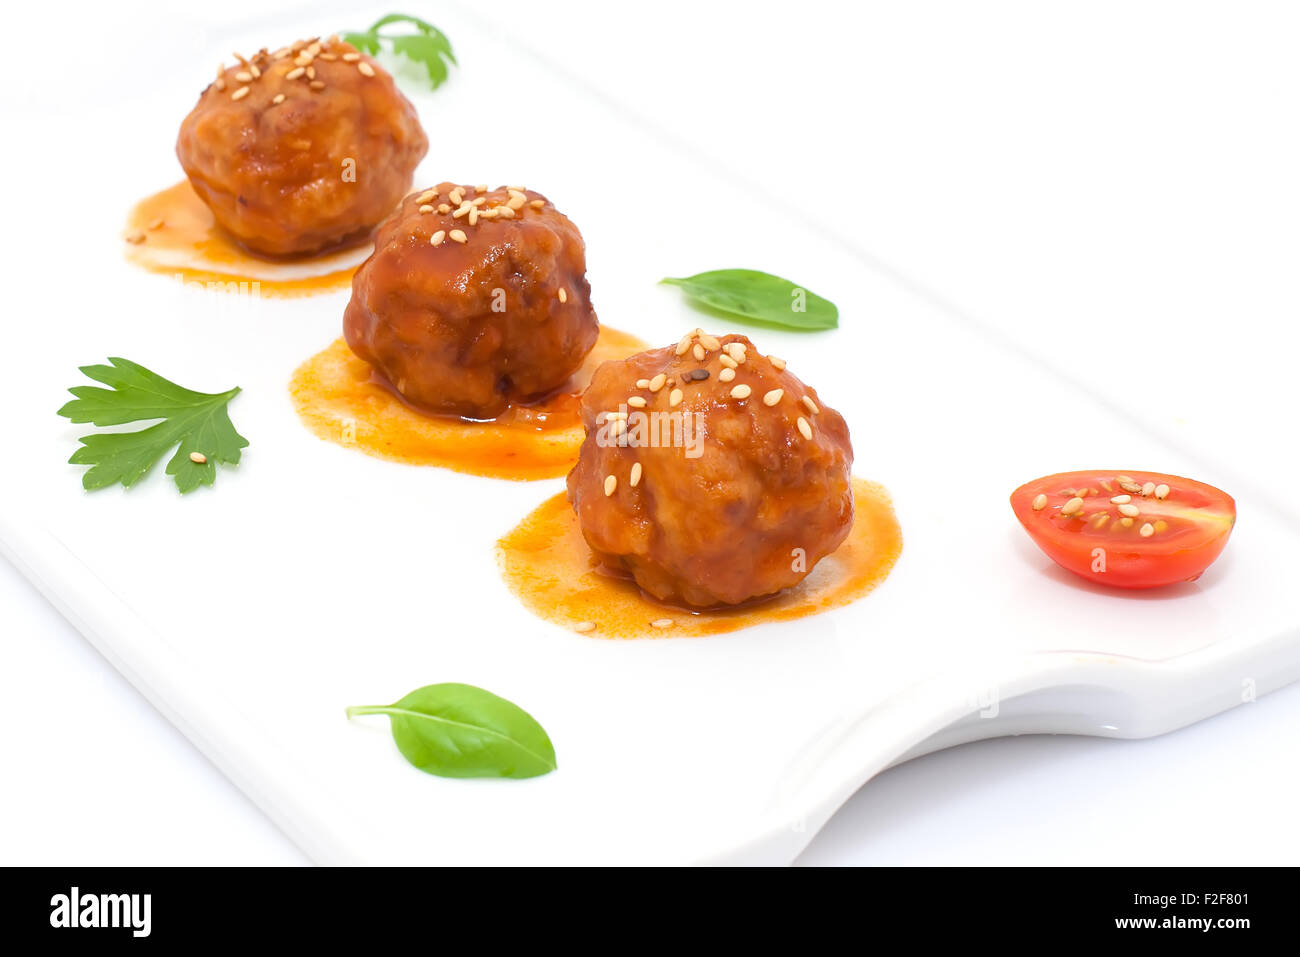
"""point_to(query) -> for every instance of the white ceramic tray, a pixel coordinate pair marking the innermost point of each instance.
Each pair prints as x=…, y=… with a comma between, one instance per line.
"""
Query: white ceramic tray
x=314, y=577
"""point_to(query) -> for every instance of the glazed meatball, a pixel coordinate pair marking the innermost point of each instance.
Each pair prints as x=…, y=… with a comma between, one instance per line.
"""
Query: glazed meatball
x=474, y=299
x=301, y=149
x=710, y=473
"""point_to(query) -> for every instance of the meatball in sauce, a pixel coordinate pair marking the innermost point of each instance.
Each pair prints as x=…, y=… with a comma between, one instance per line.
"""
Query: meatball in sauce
x=475, y=299
x=710, y=473
x=302, y=149
x=712, y=493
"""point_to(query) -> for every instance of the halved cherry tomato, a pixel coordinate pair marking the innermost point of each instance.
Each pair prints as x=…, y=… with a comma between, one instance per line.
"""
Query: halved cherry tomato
x=1127, y=529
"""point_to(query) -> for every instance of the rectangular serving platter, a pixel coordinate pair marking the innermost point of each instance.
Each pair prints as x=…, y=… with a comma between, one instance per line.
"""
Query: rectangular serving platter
x=313, y=577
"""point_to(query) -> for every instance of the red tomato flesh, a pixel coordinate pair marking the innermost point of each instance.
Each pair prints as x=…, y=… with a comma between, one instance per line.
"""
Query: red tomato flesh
x=1127, y=529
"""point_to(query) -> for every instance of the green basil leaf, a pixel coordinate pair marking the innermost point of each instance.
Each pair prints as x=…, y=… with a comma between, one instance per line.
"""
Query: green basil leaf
x=759, y=297
x=460, y=731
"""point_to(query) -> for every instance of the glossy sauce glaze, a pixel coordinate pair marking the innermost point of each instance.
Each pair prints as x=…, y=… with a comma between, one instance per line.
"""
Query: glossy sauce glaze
x=550, y=568
x=341, y=399
x=173, y=233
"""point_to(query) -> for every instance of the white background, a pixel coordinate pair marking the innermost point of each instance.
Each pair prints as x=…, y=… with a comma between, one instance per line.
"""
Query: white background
x=1111, y=186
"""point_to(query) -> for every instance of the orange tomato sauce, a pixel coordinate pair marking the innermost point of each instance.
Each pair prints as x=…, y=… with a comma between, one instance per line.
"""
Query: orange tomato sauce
x=173, y=233
x=546, y=562
x=341, y=399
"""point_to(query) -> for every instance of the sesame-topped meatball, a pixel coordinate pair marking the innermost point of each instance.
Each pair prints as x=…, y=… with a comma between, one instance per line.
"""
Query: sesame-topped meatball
x=301, y=149
x=710, y=473
x=475, y=298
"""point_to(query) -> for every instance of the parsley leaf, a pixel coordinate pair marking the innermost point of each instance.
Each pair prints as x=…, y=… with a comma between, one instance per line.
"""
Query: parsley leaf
x=196, y=421
x=428, y=46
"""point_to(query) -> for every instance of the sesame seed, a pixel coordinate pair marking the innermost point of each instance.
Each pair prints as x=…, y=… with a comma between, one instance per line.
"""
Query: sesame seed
x=1162, y=491
x=295, y=73
x=240, y=93
x=426, y=208
x=1121, y=499
x=198, y=458
x=1148, y=489
x=804, y=428
x=277, y=99
x=243, y=76
x=675, y=398
x=635, y=478
x=611, y=483
x=778, y=363
x=457, y=236
x=135, y=239
x=727, y=361
x=437, y=238
x=351, y=57
x=1072, y=506
x=1126, y=521
x=562, y=295
x=697, y=350
x=657, y=383
x=317, y=85
x=727, y=374
x=1131, y=511
x=636, y=401
x=365, y=68
x=1040, y=502
x=661, y=623
x=583, y=627
x=810, y=405
x=1147, y=530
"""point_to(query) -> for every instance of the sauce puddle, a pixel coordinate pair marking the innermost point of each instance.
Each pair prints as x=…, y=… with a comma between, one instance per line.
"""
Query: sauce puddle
x=190, y=246
x=340, y=399
x=546, y=562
